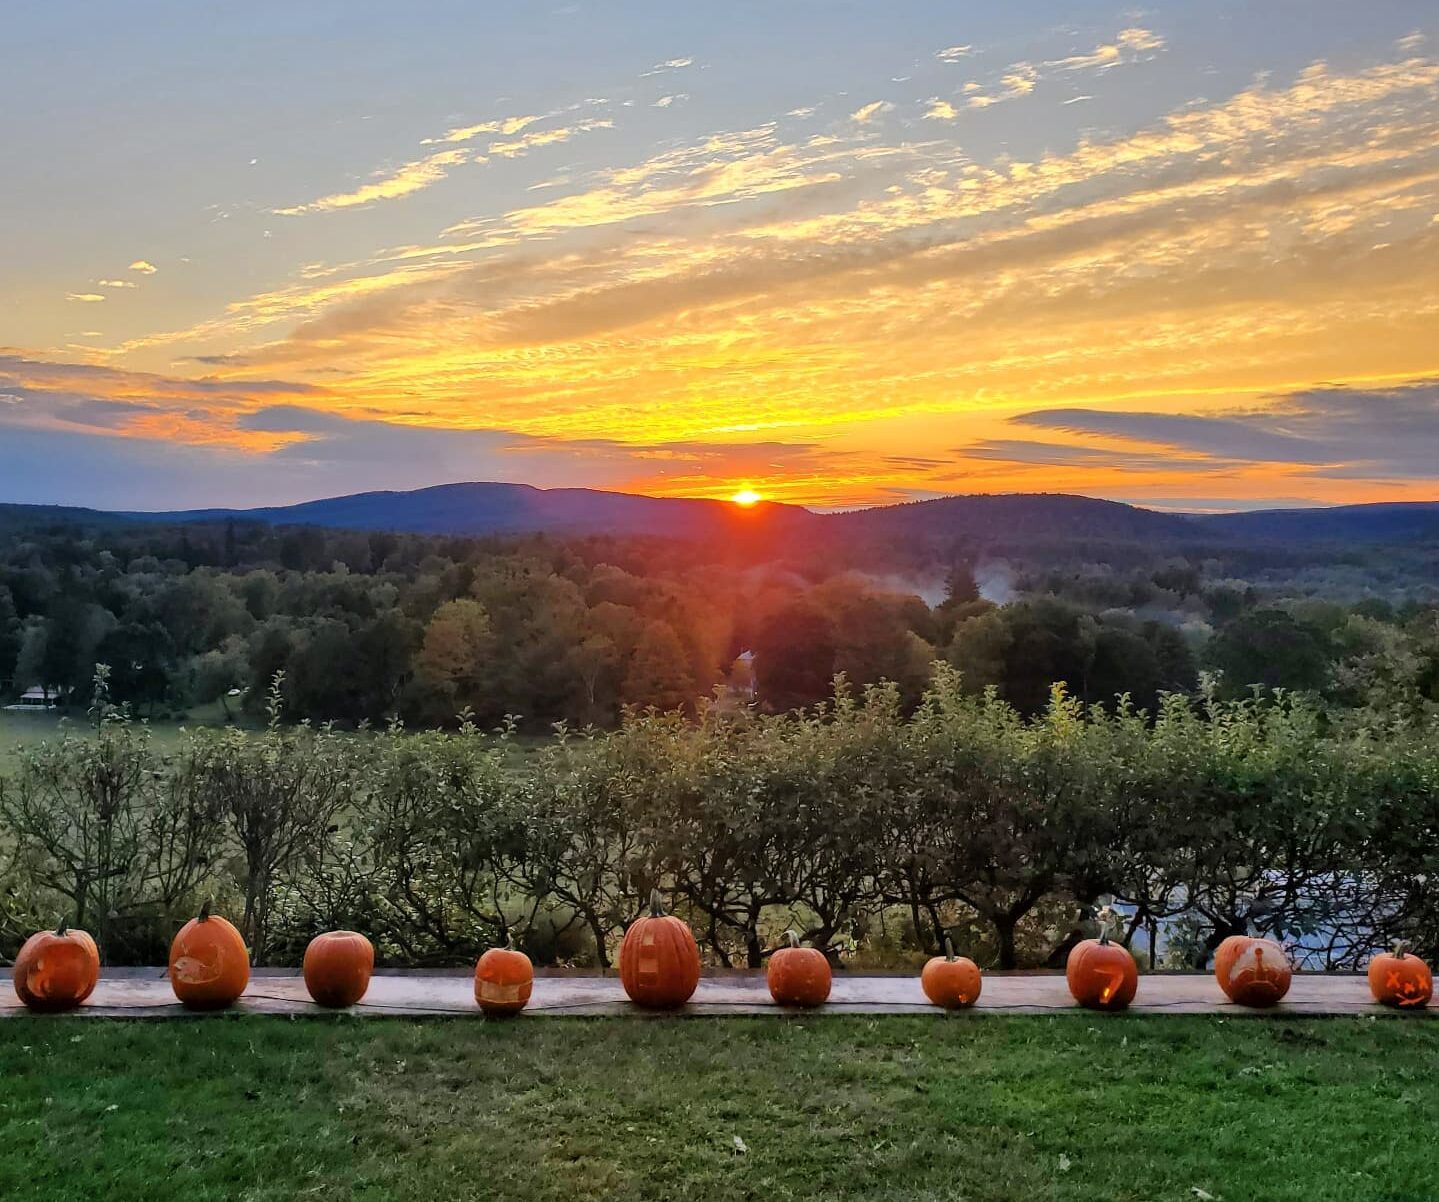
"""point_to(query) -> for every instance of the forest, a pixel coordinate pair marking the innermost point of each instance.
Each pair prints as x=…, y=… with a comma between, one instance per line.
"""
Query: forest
x=370, y=627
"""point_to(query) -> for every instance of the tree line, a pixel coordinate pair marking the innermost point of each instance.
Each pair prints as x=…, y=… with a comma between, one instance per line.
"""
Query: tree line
x=872, y=827
x=371, y=626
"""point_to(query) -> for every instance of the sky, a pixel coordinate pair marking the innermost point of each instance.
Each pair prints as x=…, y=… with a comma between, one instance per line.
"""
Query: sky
x=837, y=253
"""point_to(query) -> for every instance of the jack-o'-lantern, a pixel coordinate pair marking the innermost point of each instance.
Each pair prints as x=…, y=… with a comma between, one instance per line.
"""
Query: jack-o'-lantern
x=1399, y=979
x=504, y=979
x=56, y=970
x=1252, y=971
x=1102, y=975
x=659, y=959
x=209, y=964
x=951, y=981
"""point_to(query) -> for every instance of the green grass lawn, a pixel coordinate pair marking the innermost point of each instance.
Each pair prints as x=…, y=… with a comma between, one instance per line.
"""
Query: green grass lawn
x=891, y=1109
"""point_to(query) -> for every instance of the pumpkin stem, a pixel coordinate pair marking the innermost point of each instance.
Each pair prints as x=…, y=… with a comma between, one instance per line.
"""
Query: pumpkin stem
x=204, y=915
x=657, y=907
x=60, y=930
x=948, y=947
x=793, y=937
x=1400, y=948
x=1104, y=934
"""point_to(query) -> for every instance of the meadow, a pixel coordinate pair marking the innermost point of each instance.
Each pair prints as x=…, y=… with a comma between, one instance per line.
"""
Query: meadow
x=1058, y=1109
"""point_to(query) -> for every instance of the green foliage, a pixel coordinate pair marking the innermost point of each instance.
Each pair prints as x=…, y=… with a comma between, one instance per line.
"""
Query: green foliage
x=870, y=827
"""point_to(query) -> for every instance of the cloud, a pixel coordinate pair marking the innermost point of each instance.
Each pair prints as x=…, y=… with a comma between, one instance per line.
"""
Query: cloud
x=868, y=112
x=545, y=137
x=89, y=298
x=953, y=54
x=143, y=267
x=664, y=102
x=116, y=283
x=671, y=64
x=1333, y=432
x=1130, y=45
x=714, y=289
x=410, y=178
x=940, y=110
x=467, y=133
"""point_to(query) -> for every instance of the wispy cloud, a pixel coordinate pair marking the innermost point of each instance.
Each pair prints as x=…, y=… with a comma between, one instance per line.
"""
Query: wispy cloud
x=88, y=298
x=143, y=267
x=953, y=54
x=467, y=133
x=116, y=283
x=940, y=110
x=407, y=179
x=1130, y=45
x=869, y=112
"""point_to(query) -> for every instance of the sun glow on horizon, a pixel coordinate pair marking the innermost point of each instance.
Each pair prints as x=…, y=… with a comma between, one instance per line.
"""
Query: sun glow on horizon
x=746, y=497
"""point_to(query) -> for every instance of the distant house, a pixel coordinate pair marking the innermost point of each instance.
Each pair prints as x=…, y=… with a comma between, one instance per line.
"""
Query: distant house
x=36, y=698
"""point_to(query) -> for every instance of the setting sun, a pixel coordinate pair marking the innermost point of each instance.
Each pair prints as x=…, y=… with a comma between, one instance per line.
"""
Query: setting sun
x=746, y=497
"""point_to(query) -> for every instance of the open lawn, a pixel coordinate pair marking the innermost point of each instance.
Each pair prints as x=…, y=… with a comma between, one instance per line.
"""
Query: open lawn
x=893, y=1109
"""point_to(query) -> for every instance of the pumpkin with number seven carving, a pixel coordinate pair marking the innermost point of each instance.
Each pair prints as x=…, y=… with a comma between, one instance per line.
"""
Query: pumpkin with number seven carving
x=798, y=976
x=659, y=959
x=56, y=970
x=1252, y=971
x=337, y=968
x=1399, y=979
x=1102, y=975
x=951, y=981
x=504, y=979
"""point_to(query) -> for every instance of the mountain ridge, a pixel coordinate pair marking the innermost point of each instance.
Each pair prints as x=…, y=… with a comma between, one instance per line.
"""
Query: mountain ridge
x=489, y=508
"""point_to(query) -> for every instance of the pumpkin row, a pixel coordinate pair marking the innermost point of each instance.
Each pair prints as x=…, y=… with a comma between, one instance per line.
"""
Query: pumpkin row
x=659, y=968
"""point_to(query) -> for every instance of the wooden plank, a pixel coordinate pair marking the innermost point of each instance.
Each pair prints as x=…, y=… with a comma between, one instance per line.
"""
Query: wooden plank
x=145, y=993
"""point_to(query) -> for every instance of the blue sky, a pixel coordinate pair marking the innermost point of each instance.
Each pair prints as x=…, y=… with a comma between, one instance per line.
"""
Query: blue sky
x=838, y=252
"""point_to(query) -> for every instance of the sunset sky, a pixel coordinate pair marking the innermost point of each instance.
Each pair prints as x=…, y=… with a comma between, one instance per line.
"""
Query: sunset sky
x=838, y=253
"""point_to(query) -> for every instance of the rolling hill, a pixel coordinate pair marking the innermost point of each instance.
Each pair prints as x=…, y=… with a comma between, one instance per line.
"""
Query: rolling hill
x=479, y=509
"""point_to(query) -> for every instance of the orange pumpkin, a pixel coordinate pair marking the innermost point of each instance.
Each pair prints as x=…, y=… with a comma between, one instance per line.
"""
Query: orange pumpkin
x=659, y=960
x=1252, y=971
x=1102, y=975
x=209, y=965
x=503, y=981
x=338, y=965
x=1224, y=956
x=951, y=981
x=798, y=976
x=1399, y=979
x=56, y=970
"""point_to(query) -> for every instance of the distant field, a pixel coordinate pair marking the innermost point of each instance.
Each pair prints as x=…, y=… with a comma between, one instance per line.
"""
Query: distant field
x=21, y=730
x=1065, y=1109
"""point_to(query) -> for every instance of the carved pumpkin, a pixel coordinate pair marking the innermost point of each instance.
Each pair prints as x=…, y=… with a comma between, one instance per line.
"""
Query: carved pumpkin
x=56, y=970
x=1102, y=975
x=951, y=981
x=503, y=981
x=209, y=965
x=1399, y=979
x=659, y=961
x=798, y=976
x=1252, y=971
x=338, y=965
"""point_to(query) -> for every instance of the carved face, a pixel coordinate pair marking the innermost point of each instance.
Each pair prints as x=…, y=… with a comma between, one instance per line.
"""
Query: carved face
x=209, y=964
x=1400, y=980
x=1252, y=972
x=56, y=970
x=504, y=979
